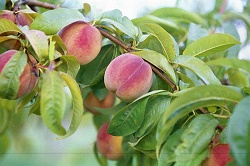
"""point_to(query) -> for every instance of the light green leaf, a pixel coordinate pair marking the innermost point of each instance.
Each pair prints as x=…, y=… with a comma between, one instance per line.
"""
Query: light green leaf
x=178, y=14
x=231, y=62
x=239, y=132
x=77, y=104
x=196, y=138
x=50, y=22
x=39, y=46
x=159, y=61
x=128, y=119
x=238, y=78
x=69, y=65
x=9, y=77
x=52, y=97
x=198, y=67
x=210, y=44
x=164, y=38
x=191, y=99
x=4, y=118
x=8, y=26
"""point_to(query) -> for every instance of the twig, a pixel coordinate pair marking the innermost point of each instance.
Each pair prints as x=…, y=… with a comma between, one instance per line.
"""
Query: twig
x=33, y=3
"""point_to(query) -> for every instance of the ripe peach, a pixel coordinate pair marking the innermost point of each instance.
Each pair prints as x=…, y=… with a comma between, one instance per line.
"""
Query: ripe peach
x=19, y=18
x=92, y=101
x=129, y=76
x=108, y=145
x=8, y=15
x=219, y=156
x=82, y=40
x=27, y=79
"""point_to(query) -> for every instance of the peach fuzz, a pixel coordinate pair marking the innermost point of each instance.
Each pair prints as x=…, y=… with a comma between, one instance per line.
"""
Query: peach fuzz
x=82, y=40
x=129, y=76
x=108, y=145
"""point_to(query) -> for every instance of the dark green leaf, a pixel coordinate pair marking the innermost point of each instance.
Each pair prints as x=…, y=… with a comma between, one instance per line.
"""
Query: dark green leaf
x=69, y=65
x=52, y=97
x=239, y=132
x=50, y=22
x=198, y=67
x=210, y=44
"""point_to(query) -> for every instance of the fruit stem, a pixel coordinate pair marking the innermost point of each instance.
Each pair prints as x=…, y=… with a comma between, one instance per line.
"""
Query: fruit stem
x=32, y=3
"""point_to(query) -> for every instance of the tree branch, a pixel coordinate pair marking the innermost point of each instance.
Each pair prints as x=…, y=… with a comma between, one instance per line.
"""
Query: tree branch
x=33, y=3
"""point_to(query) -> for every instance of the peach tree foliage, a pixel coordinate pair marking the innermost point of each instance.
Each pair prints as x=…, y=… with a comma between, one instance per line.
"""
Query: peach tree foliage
x=200, y=87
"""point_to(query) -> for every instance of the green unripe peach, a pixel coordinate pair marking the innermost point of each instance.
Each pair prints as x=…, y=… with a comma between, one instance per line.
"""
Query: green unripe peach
x=108, y=145
x=25, y=79
x=129, y=76
x=82, y=40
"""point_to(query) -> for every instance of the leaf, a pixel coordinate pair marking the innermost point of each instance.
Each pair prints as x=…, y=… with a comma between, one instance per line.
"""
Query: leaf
x=196, y=138
x=128, y=119
x=9, y=76
x=77, y=104
x=69, y=65
x=8, y=26
x=231, y=62
x=210, y=44
x=39, y=46
x=50, y=22
x=4, y=144
x=4, y=119
x=159, y=61
x=238, y=78
x=191, y=99
x=123, y=23
x=52, y=97
x=238, y=132
x=164, y=38
x=178, y=14
x=198, y=67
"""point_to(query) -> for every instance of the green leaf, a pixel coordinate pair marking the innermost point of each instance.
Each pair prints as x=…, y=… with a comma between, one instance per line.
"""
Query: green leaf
x=239, y=132
x=238, y=78
x=196, y=138
x=164, y=38
x=39, y=46
x=69, y=65
x=8, y=26
x=123, y=23
x=159, y=61
x=2, y=4
x=9, y=77
x=128, y=119
x=231, y=62
x=178, y=14
x=210, y=44
x=4, y=119
x=4, y=144
x=52, y=97
x=198, y=67
x=50, y=22
x=77, y=104
x=191, y=99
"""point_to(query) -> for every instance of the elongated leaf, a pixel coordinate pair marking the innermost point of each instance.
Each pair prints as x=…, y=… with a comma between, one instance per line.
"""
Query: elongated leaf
x=179, y=14
x=9, y=77
x=8, y=26
x=77, y=104
x=159, y=61
x=210, y=44
x=191, y=99
x=239, y=132
x=52, y=97
x=69, y=65
x=164, y=38
x=196, y=138
x=231, y=62
x=123, y=23
x=128, y=119
x=39, y=46
x=198, y=67
x=50, y=22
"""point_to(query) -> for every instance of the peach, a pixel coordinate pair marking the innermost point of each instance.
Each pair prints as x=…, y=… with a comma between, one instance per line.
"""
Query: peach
x=108, y=145
x=129, y=76
x=219, y=156
x=8, y=15
x=82, y=40
x=19, y=18
x=92, y=101
x=26, y=80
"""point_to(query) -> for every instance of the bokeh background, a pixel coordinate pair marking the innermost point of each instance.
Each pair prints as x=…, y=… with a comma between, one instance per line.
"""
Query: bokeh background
x=35, y=145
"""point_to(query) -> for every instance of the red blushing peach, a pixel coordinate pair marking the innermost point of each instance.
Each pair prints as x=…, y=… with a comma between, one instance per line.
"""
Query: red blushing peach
x=129, y=76
x=92, y=101
x=108, y=145
x=82, y=40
